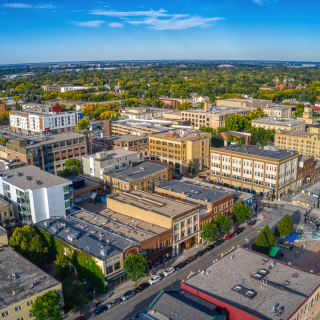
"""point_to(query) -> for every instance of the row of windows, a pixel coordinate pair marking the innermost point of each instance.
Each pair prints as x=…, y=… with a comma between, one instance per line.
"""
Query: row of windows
x=113, y=268
x=182, y=223
x=185, y=233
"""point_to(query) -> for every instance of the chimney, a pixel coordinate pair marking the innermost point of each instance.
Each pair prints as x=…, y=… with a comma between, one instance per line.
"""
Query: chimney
x=225, y=142
x=206, y=106
x=107, y=127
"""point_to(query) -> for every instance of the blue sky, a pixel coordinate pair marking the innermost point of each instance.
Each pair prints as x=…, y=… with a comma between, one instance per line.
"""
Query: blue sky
x=82, y=30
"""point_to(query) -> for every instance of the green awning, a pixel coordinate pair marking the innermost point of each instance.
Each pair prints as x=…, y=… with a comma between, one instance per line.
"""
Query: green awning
x=273, y=251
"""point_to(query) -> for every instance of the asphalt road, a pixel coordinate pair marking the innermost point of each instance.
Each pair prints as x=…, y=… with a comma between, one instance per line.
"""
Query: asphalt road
x=128, y=309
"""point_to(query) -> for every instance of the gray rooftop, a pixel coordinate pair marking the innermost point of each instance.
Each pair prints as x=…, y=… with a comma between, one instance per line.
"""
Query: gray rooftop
x=3, y=203
x=181, y=305
x=27, y=273
x=42, y=113
x=278, y=121
x=126, y=138
x=194, y=191
x=240, y=270
x=238, y=134
x=142, y=170
x=249, y=151
x=115, y=153
x=304, y=158
x=89, y=236
x=19, y=178
x=88, y=180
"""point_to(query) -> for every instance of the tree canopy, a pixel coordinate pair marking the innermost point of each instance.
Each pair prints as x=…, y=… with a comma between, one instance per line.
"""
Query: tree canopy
x=264, y=240
x=73, y=167
x=223, y=222
x=241, y=212
x=209, y=231
x=136, y=266
x=62, y=267
x=285, y=226
x=83, y=124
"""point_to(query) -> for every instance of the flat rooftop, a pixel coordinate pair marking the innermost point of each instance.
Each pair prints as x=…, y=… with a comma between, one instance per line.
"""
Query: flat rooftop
x=126, y=138
x=89, y=234
x=152, y=202
x=182, y=136
x=27, y=273
x=304, y=158
x=182, y=305
x=249, y=151
x=32, y=178
x=42, y=113
x=88, y=180
x=142, y=170
x=240, y=271
x=237, y=133
x=278, y=121
x=194, y=191
x=104, y=155
x=130, y=228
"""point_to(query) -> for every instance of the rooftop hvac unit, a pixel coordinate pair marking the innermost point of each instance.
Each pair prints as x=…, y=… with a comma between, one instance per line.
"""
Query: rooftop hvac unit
x=103, y=252
x=46, y=223
x=54, y=230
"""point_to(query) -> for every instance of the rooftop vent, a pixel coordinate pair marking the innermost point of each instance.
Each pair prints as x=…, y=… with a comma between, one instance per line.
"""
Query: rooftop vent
x=29, y=178
x=103, y=252
x=20, y=174
x=39, y=182
x=46, y=223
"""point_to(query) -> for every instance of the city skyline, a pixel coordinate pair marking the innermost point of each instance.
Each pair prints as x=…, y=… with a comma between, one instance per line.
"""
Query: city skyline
x=235, y=30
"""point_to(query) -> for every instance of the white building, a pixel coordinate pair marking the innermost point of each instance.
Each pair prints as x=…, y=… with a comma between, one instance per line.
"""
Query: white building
x=31, y=122
x=36, y=195
x=199, y=99
x=65, y=89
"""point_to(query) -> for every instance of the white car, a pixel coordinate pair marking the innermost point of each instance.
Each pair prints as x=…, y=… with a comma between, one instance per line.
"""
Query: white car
x=168, y=271
x=154, y=279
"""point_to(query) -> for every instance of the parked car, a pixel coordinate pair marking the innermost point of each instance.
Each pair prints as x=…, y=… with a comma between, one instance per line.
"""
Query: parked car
x=113, y=303
x=200, y=253
x=80, y=318
x=127, y=295
x=190, y=259
x=209, y=248
x=229, y=236
x=238, y=231
x=180, y=265
x=98, y=310
x=142, y=286
x=218, y=242
x=154, y=279
x=251, y=223
x=168, y=271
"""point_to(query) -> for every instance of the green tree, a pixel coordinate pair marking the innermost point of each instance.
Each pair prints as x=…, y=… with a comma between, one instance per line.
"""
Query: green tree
x=62, y=267
x=46, y=307
x=241, y=212
x=192, y=166
x=74, y=294
x=285, y=226
x=209, y=231
x=223, y=222
x=73, y=167
x=264, y=241
x=136, y=266
x=21, y=239
x=83, y=124
x=184, y=106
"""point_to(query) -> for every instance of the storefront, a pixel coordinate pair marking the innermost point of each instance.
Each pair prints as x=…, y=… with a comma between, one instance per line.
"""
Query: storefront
x=159, y=258
x=187, y=244
x=116, y=280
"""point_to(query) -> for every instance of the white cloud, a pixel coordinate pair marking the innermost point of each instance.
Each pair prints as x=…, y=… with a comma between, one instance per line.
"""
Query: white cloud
x=176, y=23
x=18, y=5
x=115, y=25
x=90, y=24
x=150, y=13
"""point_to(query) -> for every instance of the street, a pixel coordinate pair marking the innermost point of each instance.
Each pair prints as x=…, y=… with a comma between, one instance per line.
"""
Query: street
x=128, y=309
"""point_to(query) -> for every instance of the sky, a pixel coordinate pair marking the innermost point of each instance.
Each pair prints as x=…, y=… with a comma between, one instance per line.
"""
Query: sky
x=84, y=30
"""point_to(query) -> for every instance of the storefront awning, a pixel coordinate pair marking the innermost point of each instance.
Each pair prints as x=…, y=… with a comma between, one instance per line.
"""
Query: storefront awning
x=273, y=251
x=291, y=238
x=116, y=276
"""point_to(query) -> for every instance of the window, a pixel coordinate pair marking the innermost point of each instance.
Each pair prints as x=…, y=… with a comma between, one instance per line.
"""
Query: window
x=195, y=228
x=182, y=234
x=109, y=269
x=195, y=218
x=182, y=224
x=117, y=266
x=17, y=308
x=189, y=220
x=66, y=189
x=162, y=245
x=189, y=231
x=67, y=204
x=176, y=237
x=66, y=196
x=168, y=242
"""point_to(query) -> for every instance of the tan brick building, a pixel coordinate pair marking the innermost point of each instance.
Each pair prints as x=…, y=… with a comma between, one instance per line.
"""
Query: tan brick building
x=279, y=124
x=252, y=103
x=264, y=171
x=180, y=147
x=7, y=218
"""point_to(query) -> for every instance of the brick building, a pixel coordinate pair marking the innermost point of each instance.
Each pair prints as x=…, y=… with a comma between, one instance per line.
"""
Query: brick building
x=305, y=170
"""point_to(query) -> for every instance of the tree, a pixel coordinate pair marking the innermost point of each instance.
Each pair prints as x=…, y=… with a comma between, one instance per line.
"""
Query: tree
x=110, y=115
x=136, y=266
x=46, y=307
x=209, y=231
x=62, y=267
x=192, y=166
x=73, y=166
x=241, y=212
x=285, y=226
x=74, y=294
x=83, y=124
x=223, y=222
x=4, y=116
x=264, y=241
x=184, y=106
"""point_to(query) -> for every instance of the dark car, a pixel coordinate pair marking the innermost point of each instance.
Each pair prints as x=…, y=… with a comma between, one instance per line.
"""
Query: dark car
x=98, y=310
x=200, y=253
x=113, y=303
x=141, y=287
x=80, y=318
x=180, y=265
x=238, y=231
x=128, y=295
x=251, y=223
x=190, y=259
x=209, y=248
x=220, y=241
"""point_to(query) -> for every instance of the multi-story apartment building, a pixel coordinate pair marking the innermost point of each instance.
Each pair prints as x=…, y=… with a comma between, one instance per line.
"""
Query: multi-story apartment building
x=35, y=194
x=251, y=103
x=107, y=161
x=55, y=87
x=48, y=152
x=305, y=170
x=32, y=121
x=143, y=113
x=181, y=148
x=21, y=282
x=143, y=176
x=266, y=171
x=279, y=111
x=306, y=144
x=279, y=124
